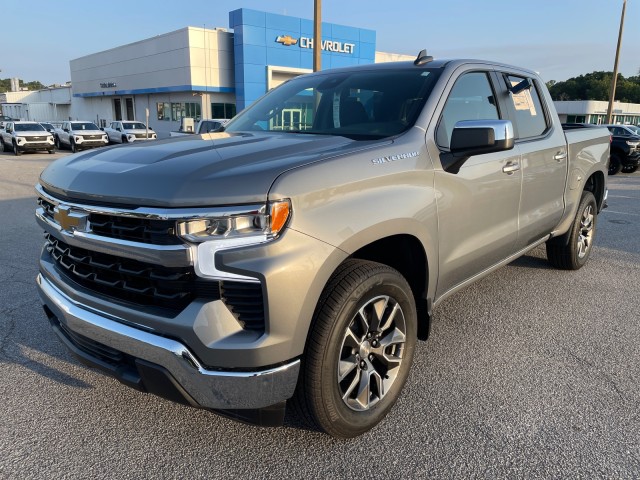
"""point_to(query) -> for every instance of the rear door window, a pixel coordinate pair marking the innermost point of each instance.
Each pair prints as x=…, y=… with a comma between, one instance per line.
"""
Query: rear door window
x=530, y=119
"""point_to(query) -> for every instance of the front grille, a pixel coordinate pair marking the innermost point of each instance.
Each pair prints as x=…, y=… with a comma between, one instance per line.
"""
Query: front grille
x=134, y=229
x=245, y=302
x=141, y=135
x=92, y=137
x=130, y=281
x=156, y=232
x=39, y=138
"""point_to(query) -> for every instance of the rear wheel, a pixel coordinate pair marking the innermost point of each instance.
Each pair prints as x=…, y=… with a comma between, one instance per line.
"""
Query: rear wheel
x=571, y=251
x=359, y=350
x=615, y=164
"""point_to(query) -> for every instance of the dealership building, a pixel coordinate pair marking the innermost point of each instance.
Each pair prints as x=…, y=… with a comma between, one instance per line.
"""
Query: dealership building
x=209, y=73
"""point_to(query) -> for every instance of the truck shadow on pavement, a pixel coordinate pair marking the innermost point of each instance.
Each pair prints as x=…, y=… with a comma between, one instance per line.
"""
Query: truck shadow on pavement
x=26, y=339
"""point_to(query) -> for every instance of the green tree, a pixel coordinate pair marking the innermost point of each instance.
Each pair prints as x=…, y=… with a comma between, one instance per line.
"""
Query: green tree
x=596, y=86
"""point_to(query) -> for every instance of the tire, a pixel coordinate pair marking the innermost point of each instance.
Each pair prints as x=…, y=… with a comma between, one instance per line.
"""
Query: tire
x=73, y=146
x=124, y=139
x=56, y=143
x=16, y=150
x=349, y=350
x=615, y=164
x=629, y=169
x=571, y=251
x=51, y=151
x=3, y=146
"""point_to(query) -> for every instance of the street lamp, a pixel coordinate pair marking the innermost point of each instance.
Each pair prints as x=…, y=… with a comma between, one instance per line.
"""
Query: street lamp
x=612, y=93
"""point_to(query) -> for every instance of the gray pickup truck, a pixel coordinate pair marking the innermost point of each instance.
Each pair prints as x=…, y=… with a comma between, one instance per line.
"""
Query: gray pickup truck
x=297, y=256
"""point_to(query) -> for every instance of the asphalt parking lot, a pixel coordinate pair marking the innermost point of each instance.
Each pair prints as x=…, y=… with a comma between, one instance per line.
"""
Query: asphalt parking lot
x=529, y=373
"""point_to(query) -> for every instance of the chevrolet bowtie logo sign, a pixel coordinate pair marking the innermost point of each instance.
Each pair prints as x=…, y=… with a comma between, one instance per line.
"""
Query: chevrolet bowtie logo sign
x=286, y=40
x=70, y=220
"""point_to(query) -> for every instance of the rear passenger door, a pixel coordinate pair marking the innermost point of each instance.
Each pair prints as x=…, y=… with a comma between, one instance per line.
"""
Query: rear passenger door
x=478, y=206
x=544, y=157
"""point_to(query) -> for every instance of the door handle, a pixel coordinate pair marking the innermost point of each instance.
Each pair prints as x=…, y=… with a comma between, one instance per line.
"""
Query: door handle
x=511, y=167
x=560, y=156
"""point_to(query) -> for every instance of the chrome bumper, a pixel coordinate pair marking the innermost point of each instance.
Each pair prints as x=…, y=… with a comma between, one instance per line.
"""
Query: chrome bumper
x=208, y=388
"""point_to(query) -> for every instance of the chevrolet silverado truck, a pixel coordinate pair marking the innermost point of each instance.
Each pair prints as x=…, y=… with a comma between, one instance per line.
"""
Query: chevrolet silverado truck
x=25, y=136
x=79, y=136
x=129, y=132
x=259, y=267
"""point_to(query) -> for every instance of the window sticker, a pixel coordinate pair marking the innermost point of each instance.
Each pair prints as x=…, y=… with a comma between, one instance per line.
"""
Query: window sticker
x=523, y=100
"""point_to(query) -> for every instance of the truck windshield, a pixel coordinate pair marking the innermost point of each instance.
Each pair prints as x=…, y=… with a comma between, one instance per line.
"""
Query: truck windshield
x=29, y=127
x=360, y=105
x=134, y=125
x=84, y=126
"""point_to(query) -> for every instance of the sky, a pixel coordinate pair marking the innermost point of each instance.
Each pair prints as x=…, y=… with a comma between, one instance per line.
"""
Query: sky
x=557, y=38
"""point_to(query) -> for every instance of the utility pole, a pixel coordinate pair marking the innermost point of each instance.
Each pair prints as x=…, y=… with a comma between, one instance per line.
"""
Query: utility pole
x=612, y=93
x=317, y=35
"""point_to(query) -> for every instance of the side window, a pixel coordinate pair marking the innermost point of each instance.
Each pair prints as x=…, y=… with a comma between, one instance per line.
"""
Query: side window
x=471, y=98
x=529, y=115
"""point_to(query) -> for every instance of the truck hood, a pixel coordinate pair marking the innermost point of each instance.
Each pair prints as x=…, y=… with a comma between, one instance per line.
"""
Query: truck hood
x=196, y=170
x=32, y=133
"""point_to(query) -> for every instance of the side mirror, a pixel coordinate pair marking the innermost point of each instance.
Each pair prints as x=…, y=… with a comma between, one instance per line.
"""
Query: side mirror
x=118, y=129
x=66, y=130
x=9, y=130
x=102, y=128
x=476, y=137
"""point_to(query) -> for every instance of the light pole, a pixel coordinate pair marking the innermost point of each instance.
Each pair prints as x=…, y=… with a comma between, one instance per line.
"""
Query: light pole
x=612, y=93
x=317, y=35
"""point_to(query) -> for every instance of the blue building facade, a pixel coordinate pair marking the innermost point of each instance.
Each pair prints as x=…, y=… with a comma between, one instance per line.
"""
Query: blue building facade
x=269, y=46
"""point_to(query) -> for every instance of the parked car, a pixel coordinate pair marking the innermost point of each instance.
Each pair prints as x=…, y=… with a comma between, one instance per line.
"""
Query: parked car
x=4, y=119
x=24, y=136
x=79, y=136
x=300, y=261
x=48, y=127
x=129, y=132
x=625, y=149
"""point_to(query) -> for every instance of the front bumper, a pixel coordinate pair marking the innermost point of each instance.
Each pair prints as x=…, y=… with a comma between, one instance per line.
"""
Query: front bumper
x=149, y=362
x=36, y=146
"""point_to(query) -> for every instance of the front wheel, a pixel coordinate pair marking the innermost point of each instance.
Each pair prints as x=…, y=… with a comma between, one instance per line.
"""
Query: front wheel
x=629, y=169
x=571, y=251
x=74, y=147
x=16, y=150
x=359, y=350
x=56, y=142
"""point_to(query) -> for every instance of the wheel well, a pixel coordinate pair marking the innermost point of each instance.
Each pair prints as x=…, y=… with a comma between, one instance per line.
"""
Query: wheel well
x=595, y=184
x=405, y=254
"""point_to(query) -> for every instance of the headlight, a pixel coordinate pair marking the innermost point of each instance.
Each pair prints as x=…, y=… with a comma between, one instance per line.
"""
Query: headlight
x=20, y=139
x=256, y=223
x=78, y=139
x=240, y=228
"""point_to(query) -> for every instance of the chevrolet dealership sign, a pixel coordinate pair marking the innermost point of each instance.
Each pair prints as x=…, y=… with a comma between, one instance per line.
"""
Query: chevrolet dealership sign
x=327, y=45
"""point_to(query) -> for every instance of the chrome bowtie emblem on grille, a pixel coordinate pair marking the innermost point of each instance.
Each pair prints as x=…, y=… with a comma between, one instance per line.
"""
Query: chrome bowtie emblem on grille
x=71, y=219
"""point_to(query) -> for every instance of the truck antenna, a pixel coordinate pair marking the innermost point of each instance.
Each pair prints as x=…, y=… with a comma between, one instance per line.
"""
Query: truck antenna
x=422, y=58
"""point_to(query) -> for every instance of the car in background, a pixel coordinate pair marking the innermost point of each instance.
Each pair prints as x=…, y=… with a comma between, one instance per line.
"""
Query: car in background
x=23, y=136
x=208, y=125
x=129, y=132
x=79, y=135
x=48, y=127
x=5, y=118
x=625, y=148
